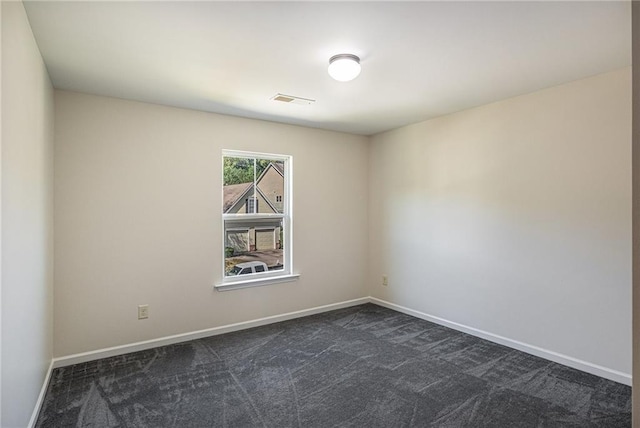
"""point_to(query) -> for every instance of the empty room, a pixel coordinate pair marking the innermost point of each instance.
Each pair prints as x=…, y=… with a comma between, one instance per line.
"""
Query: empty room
x=318, y=214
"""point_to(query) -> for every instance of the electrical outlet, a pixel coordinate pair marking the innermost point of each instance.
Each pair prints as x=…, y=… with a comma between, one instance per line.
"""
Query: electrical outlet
x=143, y=312
x=385, y=280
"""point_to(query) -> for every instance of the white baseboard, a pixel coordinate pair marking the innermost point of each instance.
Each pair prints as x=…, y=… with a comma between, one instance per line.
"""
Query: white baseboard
x=566, y=360
x=170, y=340
x=43, y=390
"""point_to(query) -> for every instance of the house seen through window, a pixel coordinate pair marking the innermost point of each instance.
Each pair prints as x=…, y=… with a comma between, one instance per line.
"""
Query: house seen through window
x=256, y=215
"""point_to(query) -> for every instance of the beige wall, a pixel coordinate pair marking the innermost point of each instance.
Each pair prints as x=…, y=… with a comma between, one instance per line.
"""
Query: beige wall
x=27, y=222
x=137, y=220
x=514, y=218
x=636, y=212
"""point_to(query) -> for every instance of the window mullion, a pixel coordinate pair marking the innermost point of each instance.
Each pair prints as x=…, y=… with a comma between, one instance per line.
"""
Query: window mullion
x=255, y=187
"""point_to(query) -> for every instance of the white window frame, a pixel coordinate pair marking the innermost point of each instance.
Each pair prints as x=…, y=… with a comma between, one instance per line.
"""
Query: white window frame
x=270, y=277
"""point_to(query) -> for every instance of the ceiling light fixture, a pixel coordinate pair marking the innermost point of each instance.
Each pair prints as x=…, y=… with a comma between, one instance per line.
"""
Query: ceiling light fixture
x=344, y=67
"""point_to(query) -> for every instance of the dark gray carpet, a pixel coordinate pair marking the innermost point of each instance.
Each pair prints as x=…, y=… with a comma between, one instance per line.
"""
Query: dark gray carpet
x=364, y=366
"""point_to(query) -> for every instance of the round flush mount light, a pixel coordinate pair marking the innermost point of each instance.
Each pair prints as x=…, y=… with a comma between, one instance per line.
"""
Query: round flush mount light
x=344, y=67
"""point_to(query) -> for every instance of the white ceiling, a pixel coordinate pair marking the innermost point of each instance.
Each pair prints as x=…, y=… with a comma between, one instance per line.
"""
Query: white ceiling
x=419, y=59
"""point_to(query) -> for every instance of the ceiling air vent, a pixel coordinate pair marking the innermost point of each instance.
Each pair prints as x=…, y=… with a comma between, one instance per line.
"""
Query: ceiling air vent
x=290, y=99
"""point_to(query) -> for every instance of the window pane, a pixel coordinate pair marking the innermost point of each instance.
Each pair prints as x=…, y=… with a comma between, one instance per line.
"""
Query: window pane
x=243, y=195
x=253, y=243
x=238, y=185
x=270, y=185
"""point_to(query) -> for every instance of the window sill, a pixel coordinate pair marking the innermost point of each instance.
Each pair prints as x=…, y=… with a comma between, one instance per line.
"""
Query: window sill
x=256, y=282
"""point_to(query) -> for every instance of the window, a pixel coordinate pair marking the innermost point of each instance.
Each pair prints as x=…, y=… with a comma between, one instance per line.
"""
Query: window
x=256, y=216
x=251, y=205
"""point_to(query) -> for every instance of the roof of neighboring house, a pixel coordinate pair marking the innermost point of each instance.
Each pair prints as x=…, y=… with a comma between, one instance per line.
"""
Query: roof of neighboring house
x=279, y=166
x=232, y=193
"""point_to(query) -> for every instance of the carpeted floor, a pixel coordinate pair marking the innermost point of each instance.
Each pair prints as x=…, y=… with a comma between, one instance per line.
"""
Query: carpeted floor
x=365, y=366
